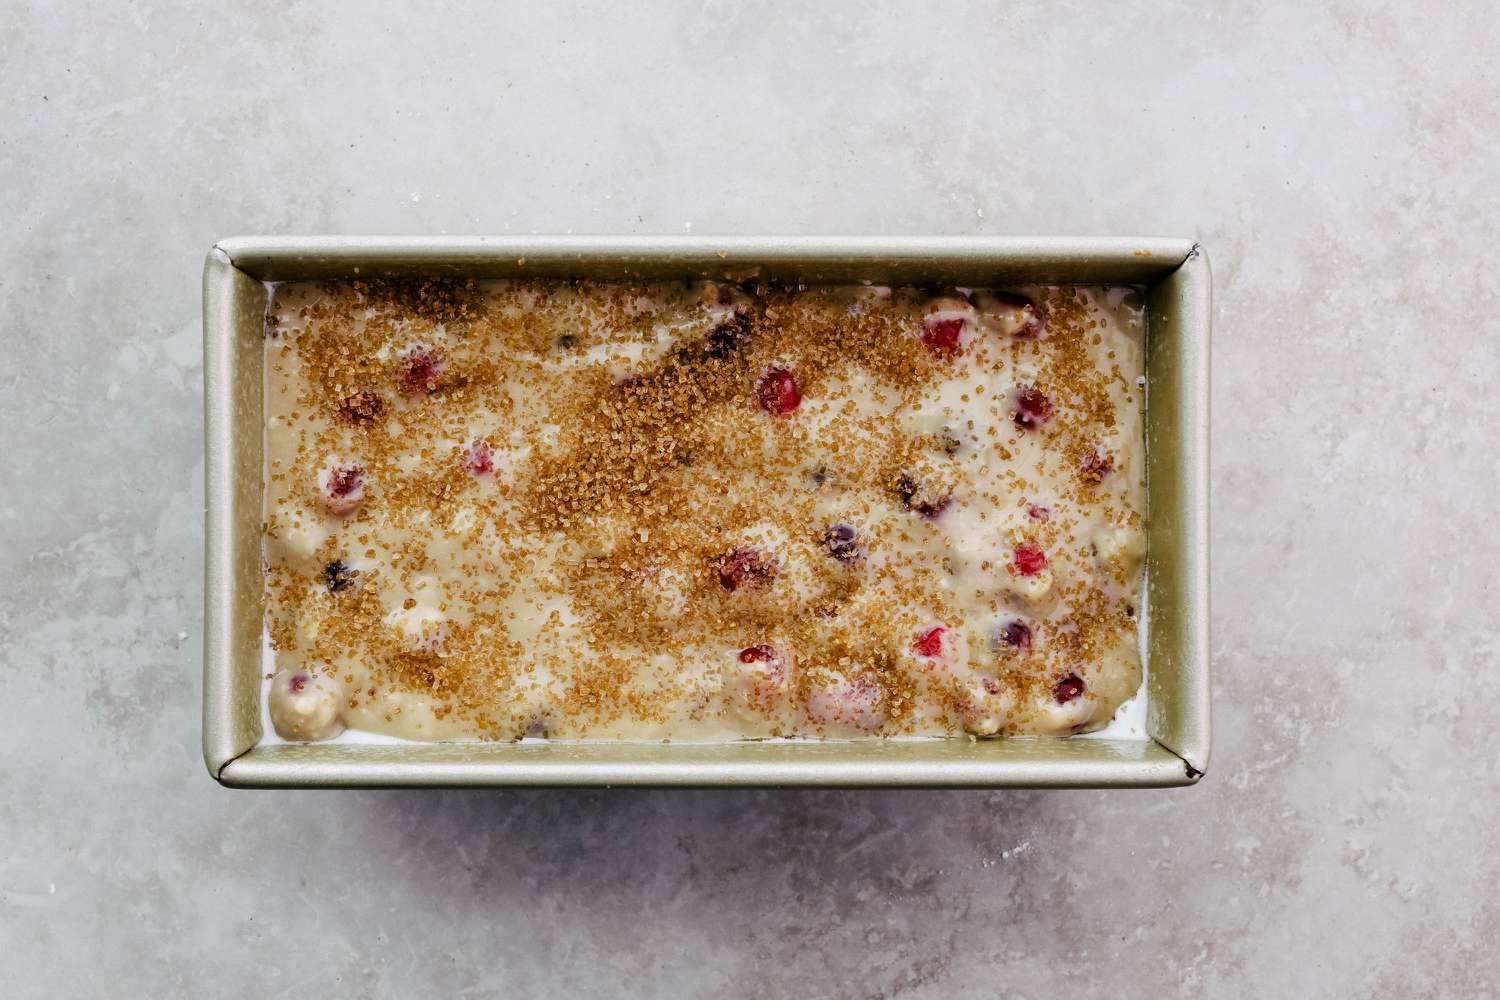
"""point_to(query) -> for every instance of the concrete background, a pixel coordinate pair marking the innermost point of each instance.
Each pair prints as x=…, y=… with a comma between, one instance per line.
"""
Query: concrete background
x=1339, y=162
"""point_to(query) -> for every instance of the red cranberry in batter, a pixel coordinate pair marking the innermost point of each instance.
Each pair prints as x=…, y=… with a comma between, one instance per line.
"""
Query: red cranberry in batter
x=1033, y=408
x=478, y=458
x=1029, y=559
x=1096, y=465
x=778, y=392
x=746, y=566
x=342, y=489
x=1067, y=689
x=362, y=407
x=1014, y=635
x=422, y=371
x=760, y=681
x=930, y=641
x=943, y=337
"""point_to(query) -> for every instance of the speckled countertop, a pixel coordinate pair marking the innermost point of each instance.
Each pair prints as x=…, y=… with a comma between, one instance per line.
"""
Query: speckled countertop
x=1338, y=162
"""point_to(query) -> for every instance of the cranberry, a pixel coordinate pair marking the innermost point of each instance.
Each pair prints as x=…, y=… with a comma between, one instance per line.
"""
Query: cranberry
x=981, y=706
x=760, y=685
x=297, y=683
x=746, y=566
x=922, y=498
x=1030, y=559
x=345, y=480
x=338, y=576
x=842, y=542
x=929, y=642
x=943, y=337
x=1033, y=407
x=778, y=392
x=1039, y=513
x=1033, y=317
x=478, y=458
x=362, y=407
x=1015, y=634
x=728, y=337
x=1067, y=689
x=343, y=488
x=422, y=371
x=757, y=654
x=1096, y=465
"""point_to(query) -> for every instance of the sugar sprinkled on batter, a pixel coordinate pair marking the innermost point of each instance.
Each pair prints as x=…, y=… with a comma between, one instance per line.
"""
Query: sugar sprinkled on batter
x=702, y=511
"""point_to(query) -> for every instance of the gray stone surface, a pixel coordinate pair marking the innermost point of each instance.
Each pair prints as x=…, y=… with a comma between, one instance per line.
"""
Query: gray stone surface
x=1338, y=160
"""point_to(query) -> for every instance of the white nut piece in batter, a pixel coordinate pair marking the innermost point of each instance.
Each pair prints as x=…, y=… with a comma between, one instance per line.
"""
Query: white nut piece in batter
x=301, y=533
x=1033, y=589
x=846, y=705
x=666, y=593
x=1119, y=550
x=304, y=706
x=941, y=307
x=983, y=706
x=1010, y=315
x=421, y=628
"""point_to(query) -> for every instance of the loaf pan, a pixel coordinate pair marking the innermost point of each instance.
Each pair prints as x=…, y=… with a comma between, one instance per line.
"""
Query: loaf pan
x=237, y=281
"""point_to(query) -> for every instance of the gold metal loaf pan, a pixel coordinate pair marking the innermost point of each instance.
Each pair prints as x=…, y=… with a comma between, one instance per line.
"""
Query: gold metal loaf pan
x=1176, y=274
